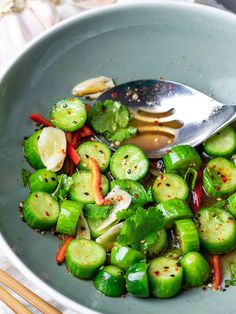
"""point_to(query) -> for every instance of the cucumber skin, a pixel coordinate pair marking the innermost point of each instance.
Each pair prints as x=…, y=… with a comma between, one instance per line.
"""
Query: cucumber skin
x=231, y=204
x=109, y=284
x=159, y=245
x=187, y=235
x=181, y=157
x=83, y=271
x=37, y=181
x=158, y=286
x=196, y=269
x=123, y=256
x=31, y=151
x=137, y=280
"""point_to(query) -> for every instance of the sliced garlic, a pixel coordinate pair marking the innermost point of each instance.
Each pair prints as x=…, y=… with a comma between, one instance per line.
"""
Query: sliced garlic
x=121, y=200
x=52, y=148
x=93, y=86
x=82, y=230
x=108, y=238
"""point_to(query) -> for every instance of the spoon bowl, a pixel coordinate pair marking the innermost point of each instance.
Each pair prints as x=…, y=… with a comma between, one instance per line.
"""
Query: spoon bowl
x=179, y=112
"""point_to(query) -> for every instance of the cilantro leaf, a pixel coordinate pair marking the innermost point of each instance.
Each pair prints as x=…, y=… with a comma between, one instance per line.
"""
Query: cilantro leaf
x=122, y=134
x=140, y=230
x=97, y=212
x=125, y=213
x=232, y=270
x=64, y=184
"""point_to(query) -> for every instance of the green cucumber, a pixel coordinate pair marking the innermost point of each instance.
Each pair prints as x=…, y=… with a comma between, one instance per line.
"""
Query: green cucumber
x=174, y=210
x=110, y=281
x=69, y=217
x=31, y=152
x=94, y=225
x=231, y=204
x=123, y=256
x=187, y=235
x=182, y=157
x=196, y=269
x=159, y=245
x=219, y=177
x=129, y=162
x=217, y=230
x=68, y=114
x=174, y=253
x=99, y=151
x=43, y=180
x=40, y=210
x=169, y=186
x=222, y=144
x=81, y=189
x=165, y=277
x=137, y=280
x=84, y=258
x=97, y=211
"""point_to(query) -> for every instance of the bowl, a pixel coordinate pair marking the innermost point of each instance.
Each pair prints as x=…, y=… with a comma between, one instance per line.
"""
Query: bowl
x=186, y=43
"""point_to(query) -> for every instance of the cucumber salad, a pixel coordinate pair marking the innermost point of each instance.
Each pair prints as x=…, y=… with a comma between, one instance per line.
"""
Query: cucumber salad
x=150, y=228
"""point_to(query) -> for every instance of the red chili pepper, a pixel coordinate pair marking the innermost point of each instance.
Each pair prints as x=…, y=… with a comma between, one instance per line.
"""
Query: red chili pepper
x=61, y=254
x=82, y=132
x=197, y=193
x=96, y=181
x=215, y=262
x=87, y=107
x=40, y=120
x=72, y=153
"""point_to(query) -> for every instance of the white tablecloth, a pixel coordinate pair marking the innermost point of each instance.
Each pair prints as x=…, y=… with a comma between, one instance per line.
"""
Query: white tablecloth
x=5, y=263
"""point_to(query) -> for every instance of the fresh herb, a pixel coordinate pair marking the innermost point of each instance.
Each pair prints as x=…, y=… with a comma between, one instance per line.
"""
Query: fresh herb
x=122, y=134
x=125, y=213
x=232, y=270
x=97, y=212
x=63, y=187
x=140, y=230
x=25, y=174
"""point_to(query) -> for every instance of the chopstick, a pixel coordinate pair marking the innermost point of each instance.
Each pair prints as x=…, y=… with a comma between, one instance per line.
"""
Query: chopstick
x=25, y=293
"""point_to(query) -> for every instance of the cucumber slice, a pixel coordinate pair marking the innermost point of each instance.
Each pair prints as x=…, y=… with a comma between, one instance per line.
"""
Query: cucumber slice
x=222, y=144
x=123, y=256
x=68, y=217
x=110, y=281
x=174, y=210
x=40, y=210
x=165, y=277
x=108, y=238
x=217, y=230
x=81, y=189
x=84, y=257
x=182, y=157
x=68, y=114
x=129, y=162
x=174, y=253
x=137, y=280
x=94, y=227
x=219, y=177
x=43, y=180
x=31, y=152
x=187, y=235
x=169, y=186
x=196, y=269
x=231, y=204
x=97, y=211
x=159, y=245
x=99, y=151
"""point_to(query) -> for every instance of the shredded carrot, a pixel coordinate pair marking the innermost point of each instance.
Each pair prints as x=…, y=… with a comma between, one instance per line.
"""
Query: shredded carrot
x=215, y=262
x=61, y=254
x=96, y=181
x=40, y=120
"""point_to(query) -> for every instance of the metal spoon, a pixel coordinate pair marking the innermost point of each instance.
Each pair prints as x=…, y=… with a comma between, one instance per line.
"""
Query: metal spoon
x=161, y=103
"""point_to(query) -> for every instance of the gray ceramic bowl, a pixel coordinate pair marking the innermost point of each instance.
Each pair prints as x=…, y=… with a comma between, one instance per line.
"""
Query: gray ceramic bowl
x=187, y=43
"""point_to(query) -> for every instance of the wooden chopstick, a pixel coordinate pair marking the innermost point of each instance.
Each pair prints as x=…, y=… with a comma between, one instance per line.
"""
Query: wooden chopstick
x=27, y=294
x=12, y=303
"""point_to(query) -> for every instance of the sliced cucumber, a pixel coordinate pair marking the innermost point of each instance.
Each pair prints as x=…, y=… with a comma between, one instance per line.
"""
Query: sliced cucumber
x=110, y=281
x=174, y=210
x=81, y=189
x=222, y=144
x=40, y=210
x=159, y=245
x=137, y=280
x=129, y=162
x=99, y=151
x=43, y=180
x=174, y=253
x=169, y=186
x=231, y=204
x=97, y=211
x=187, y=235
x=68, y=217
x=84, y=257
x=219, y=177
x=182, y=157
x=68, y=114
x=196, y=269
x=216, y=229
x=94, y=225
x=165, y=277
x=108, y=238
x=31, y=150
x=123, y=256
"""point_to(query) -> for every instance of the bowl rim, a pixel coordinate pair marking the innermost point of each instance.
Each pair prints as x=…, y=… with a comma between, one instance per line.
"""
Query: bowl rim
x=193, y=7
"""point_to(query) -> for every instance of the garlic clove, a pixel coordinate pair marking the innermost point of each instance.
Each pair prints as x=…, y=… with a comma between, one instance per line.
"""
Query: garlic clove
x=93, y=86
x=82, y=230
x=45, y=11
